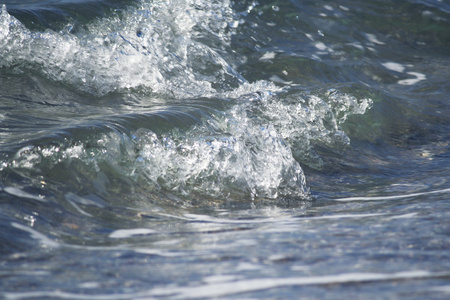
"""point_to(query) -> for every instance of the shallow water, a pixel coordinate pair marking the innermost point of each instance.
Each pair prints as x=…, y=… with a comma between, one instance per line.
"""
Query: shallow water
x=219, y=149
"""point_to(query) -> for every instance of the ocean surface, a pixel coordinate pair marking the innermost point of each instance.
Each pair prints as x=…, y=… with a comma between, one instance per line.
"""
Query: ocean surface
x=190, y=149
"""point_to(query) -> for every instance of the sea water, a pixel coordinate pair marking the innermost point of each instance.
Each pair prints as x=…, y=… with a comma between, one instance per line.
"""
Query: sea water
x=224, y=149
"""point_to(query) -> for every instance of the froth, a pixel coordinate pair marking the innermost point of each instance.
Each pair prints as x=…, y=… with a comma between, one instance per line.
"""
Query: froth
x=168, y=47
x=251, y=150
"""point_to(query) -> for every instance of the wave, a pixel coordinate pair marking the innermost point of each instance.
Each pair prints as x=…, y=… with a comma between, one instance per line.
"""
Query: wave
x=196, y=129
x=250, y=150
x=159, y=46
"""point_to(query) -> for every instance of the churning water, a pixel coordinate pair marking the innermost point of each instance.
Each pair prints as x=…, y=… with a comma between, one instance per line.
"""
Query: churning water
x=220, y=149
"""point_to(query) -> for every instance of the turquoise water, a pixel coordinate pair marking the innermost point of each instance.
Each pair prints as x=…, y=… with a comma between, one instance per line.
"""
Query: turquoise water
x=220, y=149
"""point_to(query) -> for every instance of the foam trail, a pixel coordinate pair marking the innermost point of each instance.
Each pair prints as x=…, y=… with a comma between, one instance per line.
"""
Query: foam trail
x=127, y=233
x=382, y=198
x=228, y=288
x=278, y=219
x=252, y=285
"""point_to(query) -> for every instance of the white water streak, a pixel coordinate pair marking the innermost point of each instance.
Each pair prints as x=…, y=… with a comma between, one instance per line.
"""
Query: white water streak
x=36, y=235
x=22, y=194
x=276, y=219
x=127, y=233
x=252, y=285
x=228, y=288
x=395, y=197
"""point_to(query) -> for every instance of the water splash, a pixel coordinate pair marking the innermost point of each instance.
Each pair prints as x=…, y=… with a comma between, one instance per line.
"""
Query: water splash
x=252, y=147
x=251, y=150
x=167, y=47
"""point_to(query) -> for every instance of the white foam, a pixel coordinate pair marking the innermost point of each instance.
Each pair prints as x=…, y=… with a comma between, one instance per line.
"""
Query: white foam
x=321, y=46
x=393, y=66
x=373, y=38
x=253, y=149
x=268, y=56
x=127, y=233
x=154, y=46
x=412, y=81
x=244, y=158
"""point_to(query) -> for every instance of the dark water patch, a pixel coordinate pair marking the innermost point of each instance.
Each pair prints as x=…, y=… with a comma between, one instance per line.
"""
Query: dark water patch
x=63, y=15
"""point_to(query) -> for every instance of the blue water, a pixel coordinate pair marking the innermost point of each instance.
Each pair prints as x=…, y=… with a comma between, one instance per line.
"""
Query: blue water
x=224, y=149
